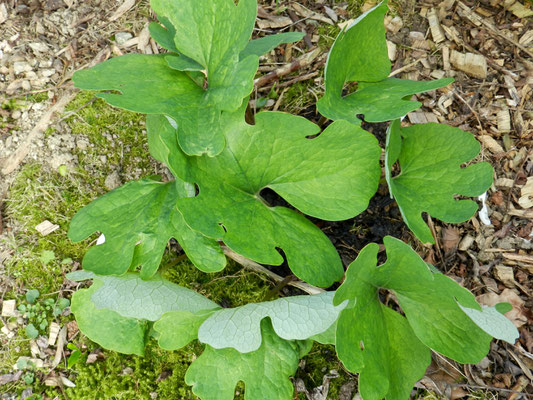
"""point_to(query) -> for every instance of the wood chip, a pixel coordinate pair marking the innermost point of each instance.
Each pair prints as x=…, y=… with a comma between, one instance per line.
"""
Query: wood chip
x=446, y=58
x=61, y=340
x=518, y=9
x=434, y=25
x=471, y=64
x=144, y=39
x=3, y=13
x=124, y=7
x=306, y=13
x=504, y=182
x=345, y=24
x=526, y=38
x=511, y=88
x=419, y=41
x=490, y=143
x=331, y=13
x=466, y=243
x=46, y=227
x=421, y=117
x=392, y=50
x=504, y=120
x=526, y=194
x=394, y=25
x=53, y=333
x=505, y=275
x=274, y=22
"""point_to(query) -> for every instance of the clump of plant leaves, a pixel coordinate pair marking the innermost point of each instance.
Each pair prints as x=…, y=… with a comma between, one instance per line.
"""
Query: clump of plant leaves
x=196, y=96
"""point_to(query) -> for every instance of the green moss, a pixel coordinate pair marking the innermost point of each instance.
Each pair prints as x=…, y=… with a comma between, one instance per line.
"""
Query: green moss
x=300, y=97
x=121, y=376
x=116, y=139
x=36, y=195
x=328, y=34
x=232, y=287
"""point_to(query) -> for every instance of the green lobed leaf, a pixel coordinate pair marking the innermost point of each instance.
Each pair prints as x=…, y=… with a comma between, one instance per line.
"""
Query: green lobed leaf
x=431, y=301
x=265, y=372
x=332, y=177
x=293, y=318
x=108, y=328
x=163, y=33
x=431, y=157
x=375, y=341
x=380, y=101
x=148, y=85
x=268, y=43
x=176, y=329
x=137, y=221
x=360, y=54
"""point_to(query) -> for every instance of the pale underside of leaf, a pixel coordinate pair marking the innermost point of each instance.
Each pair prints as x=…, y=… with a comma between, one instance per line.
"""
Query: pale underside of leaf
x=108, y=328
x=494, y=323
x=431, y=157
x=133, y=297
x=298, y=317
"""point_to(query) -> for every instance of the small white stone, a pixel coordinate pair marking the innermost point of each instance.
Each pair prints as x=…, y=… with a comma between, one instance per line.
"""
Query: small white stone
x=38, y=47
x=26, y=85
x=113, y=181
x=16, y=114
x=122, y=37
x=9, y=308
x=48, y=72
x=21, y=66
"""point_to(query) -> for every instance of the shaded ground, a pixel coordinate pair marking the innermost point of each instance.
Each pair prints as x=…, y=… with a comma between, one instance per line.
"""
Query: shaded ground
x=89, y=148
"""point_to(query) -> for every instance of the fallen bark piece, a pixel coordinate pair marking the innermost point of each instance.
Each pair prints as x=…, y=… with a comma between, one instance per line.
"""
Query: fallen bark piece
x=471, y=64
x=274, y=22
x=504, y=120
x=46, y=227
x=490, y=143
x=505, y=275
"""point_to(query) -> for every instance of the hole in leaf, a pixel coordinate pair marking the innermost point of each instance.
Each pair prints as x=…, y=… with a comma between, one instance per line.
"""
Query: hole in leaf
x=272, y=199
x=223, y=227
x=349, y=88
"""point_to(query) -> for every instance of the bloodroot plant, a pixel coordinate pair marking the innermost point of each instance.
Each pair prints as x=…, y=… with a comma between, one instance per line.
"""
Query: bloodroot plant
x=195, y=97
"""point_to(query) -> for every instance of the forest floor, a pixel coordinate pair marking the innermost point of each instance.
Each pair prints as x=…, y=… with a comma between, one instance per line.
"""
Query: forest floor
x=60, y=149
